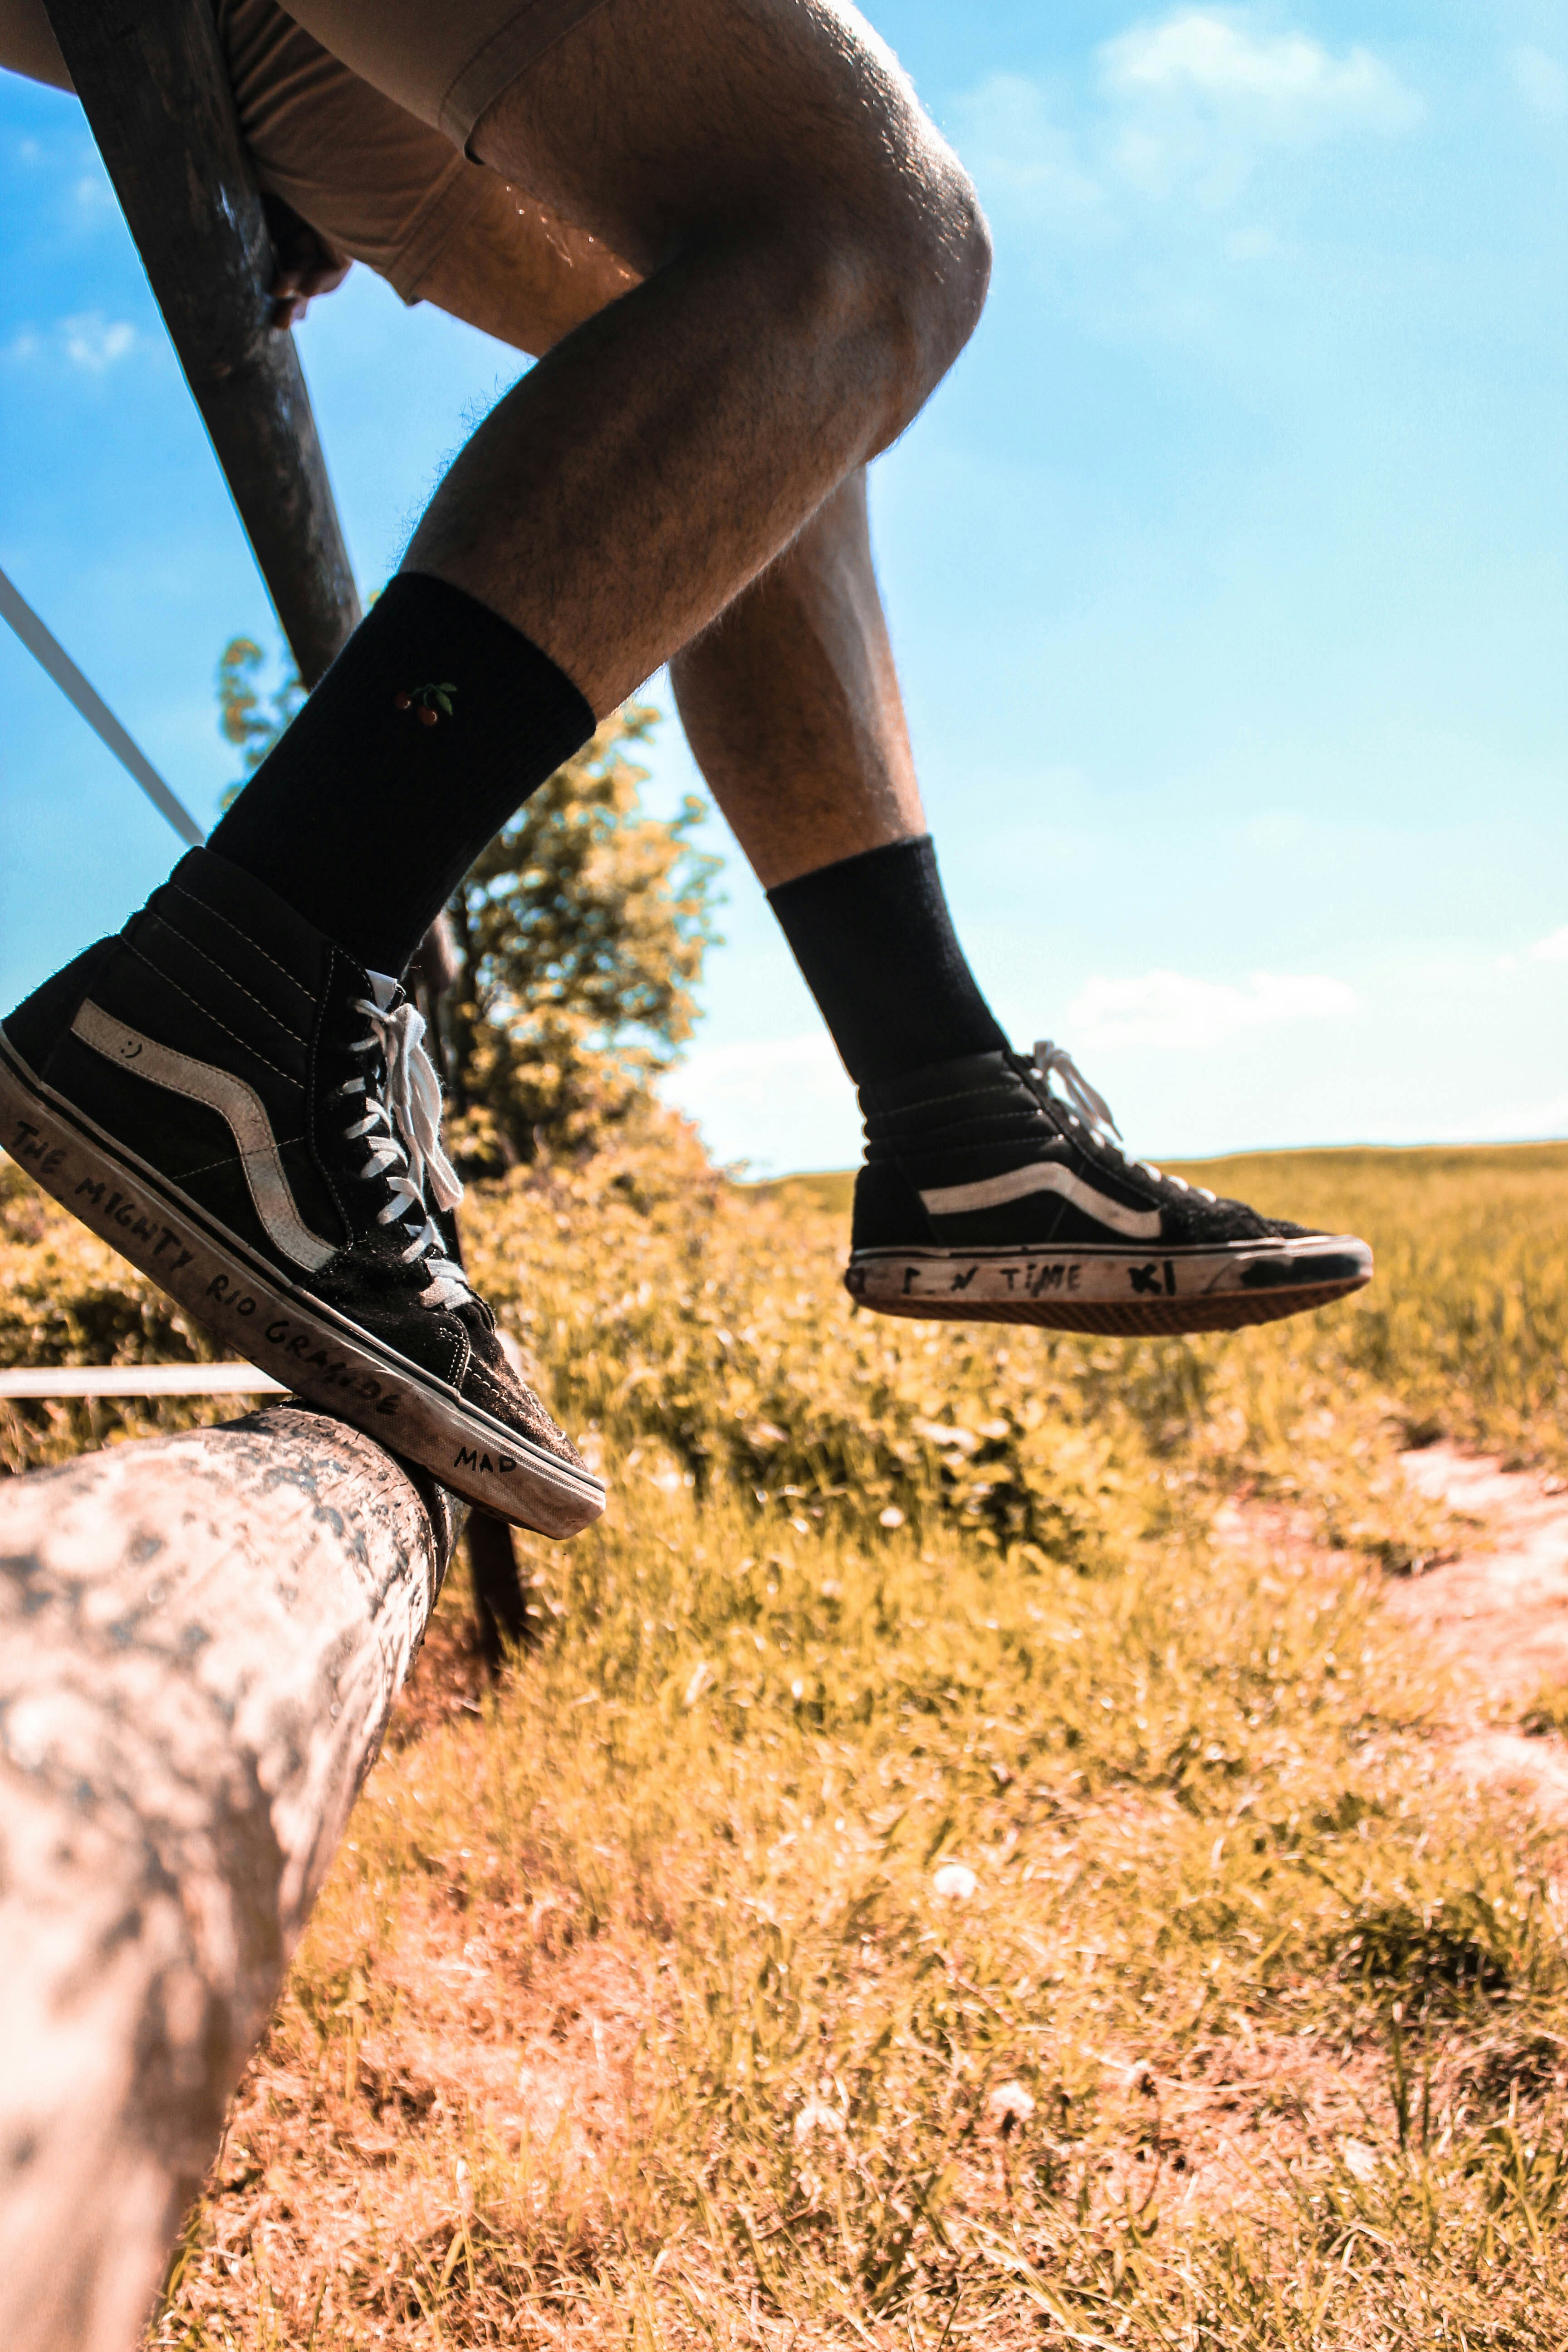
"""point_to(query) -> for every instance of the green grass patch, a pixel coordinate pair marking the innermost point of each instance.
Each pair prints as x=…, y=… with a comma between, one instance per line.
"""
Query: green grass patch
x=928, y=1887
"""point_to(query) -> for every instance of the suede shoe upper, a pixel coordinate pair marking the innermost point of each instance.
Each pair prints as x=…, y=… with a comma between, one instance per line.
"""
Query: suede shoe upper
x=279, y=1104
x=937, y=1137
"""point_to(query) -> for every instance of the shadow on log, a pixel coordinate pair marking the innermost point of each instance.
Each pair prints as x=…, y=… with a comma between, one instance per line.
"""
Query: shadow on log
x=202, y=1636
x=501, y=1622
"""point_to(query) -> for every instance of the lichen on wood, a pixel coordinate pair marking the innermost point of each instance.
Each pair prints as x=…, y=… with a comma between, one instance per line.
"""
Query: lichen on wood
x=201, y=1638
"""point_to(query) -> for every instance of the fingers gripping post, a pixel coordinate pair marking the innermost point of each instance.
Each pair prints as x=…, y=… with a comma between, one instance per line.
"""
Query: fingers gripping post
x=201, y=1638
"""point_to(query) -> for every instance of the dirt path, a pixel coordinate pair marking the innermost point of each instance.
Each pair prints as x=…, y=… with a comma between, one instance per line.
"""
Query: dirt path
x=1496, y=1613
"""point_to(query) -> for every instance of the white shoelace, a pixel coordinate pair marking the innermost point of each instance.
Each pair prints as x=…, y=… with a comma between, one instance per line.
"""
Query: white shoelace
x=402, y=1136
x=1090, y=1107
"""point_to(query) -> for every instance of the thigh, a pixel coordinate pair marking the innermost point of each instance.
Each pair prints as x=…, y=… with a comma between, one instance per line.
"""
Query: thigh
x=443, y=60
x=382, y=184
x=369, y=176
x=27, y=43
x=512, y=270
x=374, y=179
x=646, y=120
x=657, y=120
x=378, y=182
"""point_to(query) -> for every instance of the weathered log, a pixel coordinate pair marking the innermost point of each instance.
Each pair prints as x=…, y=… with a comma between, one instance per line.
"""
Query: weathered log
x=201, y=1639
x=152, y=80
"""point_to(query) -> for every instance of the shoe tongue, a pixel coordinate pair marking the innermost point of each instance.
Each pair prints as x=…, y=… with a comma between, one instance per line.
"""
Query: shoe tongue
x=382, y=987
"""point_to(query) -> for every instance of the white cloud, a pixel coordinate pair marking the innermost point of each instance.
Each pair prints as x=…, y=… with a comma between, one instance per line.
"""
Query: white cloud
x=94, y=196
x=1175, y=1012
x=1275, y=833
x=782, y=1104
x=1199, y=97
x=1190, y=104
x=1541, y=81
x=1009, y=139
x=1553, y=948
x=92, y=341
x=1284, y=82
x=87, y=340
x=1251, y=244
x=810, y=1057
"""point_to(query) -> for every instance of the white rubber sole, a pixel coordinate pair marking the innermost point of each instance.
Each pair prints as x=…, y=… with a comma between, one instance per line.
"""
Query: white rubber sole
x=1107, y=1289
x=252, y=1309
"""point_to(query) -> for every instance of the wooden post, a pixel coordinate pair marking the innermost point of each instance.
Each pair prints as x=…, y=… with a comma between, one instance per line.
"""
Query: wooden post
x=501, y=1606
x=201, y=1637
x=151, y=78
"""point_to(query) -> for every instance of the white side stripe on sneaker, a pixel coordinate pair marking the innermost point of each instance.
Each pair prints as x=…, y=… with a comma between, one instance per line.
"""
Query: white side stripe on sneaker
x=1042, y=1176
x=235, y=1102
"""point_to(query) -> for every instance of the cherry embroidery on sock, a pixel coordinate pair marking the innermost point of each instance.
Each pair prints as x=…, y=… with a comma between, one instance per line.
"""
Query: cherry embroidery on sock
x=428, y=703
x=363, y=818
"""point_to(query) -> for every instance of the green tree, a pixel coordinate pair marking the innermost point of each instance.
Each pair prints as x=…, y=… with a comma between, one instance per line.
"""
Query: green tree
x=581, y=933
x=579, y=937
x=244, y=720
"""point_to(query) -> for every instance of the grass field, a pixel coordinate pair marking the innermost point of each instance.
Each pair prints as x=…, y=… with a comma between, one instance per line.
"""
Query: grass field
x=924, y=1889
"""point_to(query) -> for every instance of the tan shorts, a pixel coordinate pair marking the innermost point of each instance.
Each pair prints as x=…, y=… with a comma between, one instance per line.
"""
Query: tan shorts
x=358, y=112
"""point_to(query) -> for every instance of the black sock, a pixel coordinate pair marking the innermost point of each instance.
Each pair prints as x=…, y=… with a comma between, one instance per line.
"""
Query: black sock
x=874, y=939
x=433, y=724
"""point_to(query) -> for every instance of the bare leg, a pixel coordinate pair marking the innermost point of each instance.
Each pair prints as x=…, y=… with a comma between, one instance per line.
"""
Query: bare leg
x=789, y=700
x=811, y=260
x=522, y=275
x=790, y=704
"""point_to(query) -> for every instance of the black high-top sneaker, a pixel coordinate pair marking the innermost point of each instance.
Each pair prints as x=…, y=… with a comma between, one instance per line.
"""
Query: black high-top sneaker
x=248, y=1115
x=988, y=1197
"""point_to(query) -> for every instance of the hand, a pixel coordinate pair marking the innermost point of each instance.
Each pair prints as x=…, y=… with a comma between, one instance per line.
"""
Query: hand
x=305, y=265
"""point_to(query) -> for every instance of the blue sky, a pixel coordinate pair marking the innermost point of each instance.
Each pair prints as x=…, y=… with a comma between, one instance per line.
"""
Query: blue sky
x=1227, y=573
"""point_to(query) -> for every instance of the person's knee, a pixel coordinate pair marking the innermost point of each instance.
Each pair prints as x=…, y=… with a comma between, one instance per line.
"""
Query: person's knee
x=933, y=291
x=891, y=186
x=946, y=287
x=783, y=134
x=902, y=263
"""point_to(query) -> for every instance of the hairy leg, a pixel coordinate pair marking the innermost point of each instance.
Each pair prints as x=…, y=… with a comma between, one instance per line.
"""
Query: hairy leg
x=519, y=274
x=810, y=260
x=791, y=704
x=790, y=699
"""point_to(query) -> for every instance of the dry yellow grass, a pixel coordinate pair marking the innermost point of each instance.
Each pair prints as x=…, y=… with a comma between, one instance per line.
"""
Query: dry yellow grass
x=922, y=1890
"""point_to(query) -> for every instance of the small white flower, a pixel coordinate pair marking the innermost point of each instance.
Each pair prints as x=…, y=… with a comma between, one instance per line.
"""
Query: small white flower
x=955, y=1882
x=1010, y=2103
x=892, y=1517
x=703, y=1675
x=816, y=2115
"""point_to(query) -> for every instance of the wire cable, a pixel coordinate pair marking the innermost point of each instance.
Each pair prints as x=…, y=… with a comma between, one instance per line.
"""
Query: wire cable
x=52, y=656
